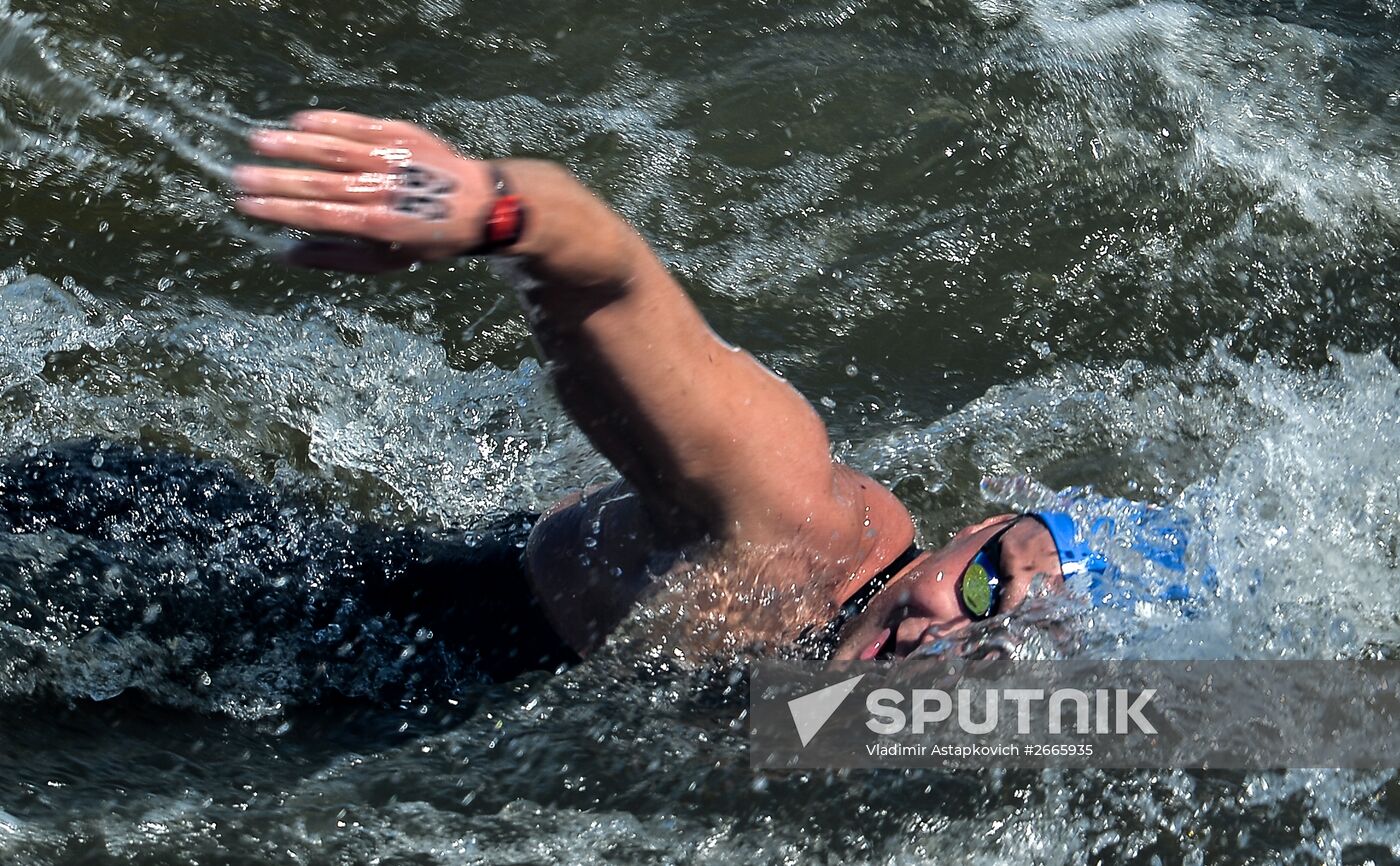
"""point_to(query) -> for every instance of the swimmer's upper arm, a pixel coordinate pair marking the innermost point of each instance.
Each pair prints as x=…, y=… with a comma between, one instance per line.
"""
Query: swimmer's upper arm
x=715, y=442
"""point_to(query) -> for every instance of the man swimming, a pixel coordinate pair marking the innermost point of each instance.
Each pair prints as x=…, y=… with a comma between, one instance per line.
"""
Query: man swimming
x=718, y=456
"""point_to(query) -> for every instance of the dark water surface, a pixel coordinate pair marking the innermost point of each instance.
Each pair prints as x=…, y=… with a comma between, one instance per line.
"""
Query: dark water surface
x=1148, y=247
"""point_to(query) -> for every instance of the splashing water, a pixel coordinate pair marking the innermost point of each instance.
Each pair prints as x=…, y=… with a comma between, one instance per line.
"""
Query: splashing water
x=1093, y=252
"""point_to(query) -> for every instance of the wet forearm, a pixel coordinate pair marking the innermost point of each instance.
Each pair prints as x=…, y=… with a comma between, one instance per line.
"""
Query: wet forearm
x=577, y=251
x=694, y=424
x=623, y=339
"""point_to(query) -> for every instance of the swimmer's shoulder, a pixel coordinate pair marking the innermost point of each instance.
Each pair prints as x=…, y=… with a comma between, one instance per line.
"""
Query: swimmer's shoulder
x=589, y=558
x=877, y=529
x=594, y=553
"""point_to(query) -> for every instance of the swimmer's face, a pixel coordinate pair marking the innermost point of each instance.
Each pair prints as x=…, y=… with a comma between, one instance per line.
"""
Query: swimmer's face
x=923, y=603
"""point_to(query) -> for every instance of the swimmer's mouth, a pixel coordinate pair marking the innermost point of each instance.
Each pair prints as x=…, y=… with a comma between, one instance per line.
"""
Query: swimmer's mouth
x=883, y=643
x=882, y=647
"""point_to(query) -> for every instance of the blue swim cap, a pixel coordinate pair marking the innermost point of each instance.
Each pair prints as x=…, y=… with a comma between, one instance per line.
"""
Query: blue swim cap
x=1164, y=545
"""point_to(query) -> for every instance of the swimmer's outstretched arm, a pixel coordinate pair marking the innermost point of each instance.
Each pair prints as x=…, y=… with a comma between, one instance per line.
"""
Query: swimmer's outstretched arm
x=714, y=442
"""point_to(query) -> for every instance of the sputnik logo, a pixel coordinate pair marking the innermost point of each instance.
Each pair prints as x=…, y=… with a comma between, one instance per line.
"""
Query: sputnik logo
x=813, y=710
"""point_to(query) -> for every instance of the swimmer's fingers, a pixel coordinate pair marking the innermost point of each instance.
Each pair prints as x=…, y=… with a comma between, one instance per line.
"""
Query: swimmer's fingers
x=373, y=222
x=364, y=187
x=358, y=127
x=327, y=151
x=427, y=239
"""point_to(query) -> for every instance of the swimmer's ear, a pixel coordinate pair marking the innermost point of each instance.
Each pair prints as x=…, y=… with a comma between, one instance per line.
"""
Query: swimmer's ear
x=350, y=256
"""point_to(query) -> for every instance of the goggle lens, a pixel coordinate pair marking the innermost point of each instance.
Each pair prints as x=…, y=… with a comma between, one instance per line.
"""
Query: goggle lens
x=979, y=587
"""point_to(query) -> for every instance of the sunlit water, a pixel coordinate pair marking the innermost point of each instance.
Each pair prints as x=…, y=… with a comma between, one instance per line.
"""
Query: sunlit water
x=1146, y=248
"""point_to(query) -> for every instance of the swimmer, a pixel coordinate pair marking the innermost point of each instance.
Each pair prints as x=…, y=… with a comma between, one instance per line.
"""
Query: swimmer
x=718, y=456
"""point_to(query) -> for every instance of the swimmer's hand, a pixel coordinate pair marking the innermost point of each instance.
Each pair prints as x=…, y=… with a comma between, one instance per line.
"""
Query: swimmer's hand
x=394, y=193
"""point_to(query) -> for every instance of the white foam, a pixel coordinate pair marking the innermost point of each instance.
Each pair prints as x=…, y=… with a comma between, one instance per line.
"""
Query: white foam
x=1290, y=473
x=379, y=409
x=1252, y=97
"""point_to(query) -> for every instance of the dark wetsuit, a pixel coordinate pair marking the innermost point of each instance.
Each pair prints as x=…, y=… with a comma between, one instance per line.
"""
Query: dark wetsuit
x=822, y=640
x=155, y=548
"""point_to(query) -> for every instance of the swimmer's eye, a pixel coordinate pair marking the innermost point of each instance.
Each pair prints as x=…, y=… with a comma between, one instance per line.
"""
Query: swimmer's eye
x=979, y=588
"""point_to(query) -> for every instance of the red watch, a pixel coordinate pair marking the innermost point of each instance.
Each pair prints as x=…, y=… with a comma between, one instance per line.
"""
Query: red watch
x=505, y=221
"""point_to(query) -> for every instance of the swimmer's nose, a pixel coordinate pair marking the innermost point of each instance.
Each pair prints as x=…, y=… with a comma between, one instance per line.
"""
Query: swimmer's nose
x=910, y=634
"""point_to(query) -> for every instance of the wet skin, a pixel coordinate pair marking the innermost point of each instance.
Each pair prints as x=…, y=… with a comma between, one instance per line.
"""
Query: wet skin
x=714, y=449
x=921, y=603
